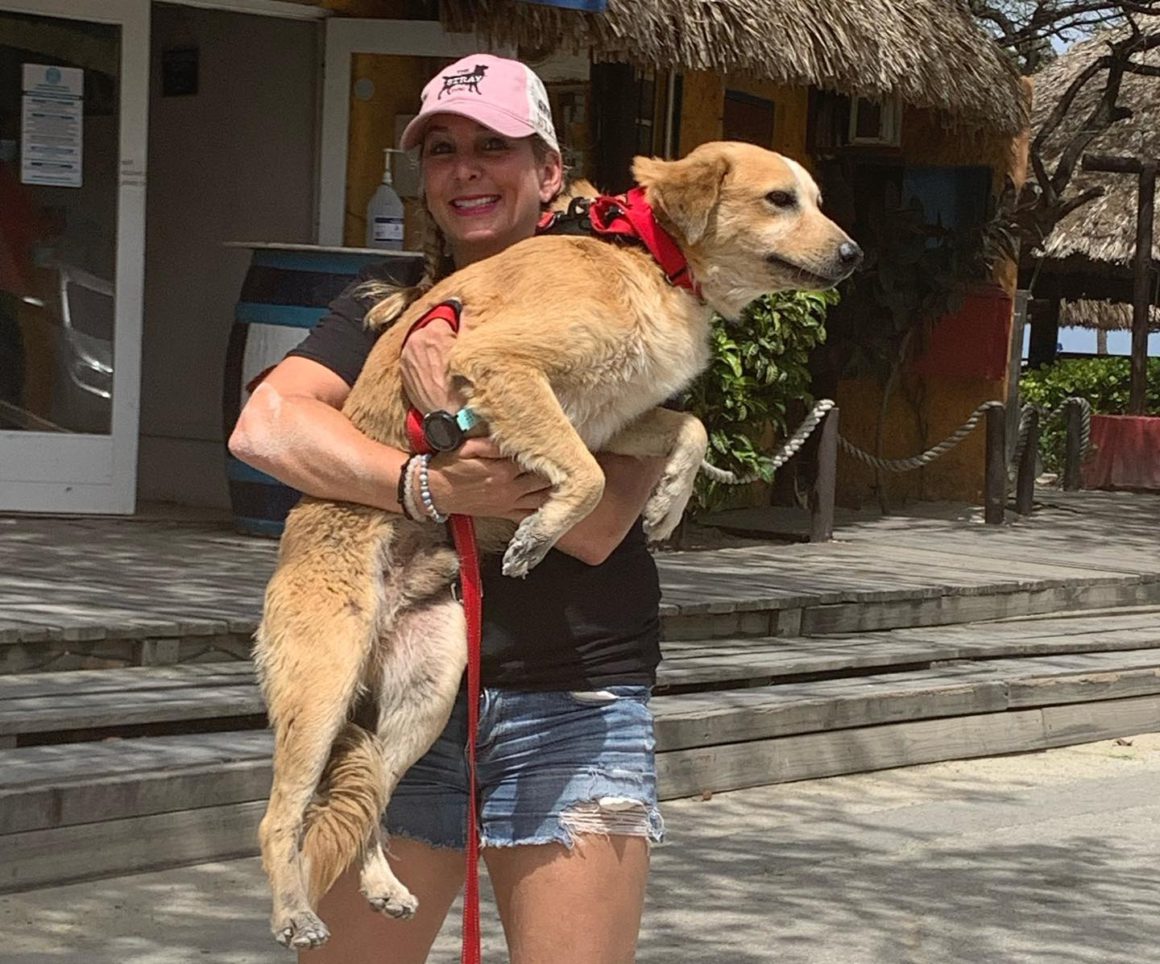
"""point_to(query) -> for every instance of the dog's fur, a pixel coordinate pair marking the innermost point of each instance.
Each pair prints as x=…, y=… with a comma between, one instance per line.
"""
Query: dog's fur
x=569, y=345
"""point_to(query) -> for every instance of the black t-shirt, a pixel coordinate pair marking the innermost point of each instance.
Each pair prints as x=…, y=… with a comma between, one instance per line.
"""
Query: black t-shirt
x=568, y=625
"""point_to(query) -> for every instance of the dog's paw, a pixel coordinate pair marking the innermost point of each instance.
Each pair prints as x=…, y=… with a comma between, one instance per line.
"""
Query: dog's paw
x=401, y=904
x=665, y=507
x=525, y=551
x=301, y=930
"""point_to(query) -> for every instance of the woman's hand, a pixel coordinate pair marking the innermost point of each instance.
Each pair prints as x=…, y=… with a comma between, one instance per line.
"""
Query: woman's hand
x=477, y=480
x=424, y=368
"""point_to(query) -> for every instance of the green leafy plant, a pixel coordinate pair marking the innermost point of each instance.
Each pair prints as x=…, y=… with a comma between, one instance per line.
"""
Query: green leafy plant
x=1103, y=381
x=759, y=368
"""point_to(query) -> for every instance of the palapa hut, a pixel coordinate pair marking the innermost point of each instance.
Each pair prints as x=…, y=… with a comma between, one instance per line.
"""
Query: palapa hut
x=901, y=98
x=809, y=78
x=1082, y=273
x=929, y=53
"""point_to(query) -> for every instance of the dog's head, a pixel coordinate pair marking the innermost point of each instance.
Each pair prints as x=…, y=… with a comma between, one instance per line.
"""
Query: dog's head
x=749, y=222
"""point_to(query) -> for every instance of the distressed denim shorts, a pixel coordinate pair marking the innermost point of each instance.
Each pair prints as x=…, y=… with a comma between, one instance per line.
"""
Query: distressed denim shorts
x=550, y=766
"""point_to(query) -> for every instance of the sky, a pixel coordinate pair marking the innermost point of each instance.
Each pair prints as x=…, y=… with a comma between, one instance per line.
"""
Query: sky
x=1084, y=340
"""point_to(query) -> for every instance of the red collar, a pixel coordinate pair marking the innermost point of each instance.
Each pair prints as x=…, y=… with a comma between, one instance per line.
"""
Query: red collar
x=630, y=216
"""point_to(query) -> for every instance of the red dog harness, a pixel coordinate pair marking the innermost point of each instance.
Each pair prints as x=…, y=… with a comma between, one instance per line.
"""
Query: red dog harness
x=627, y=217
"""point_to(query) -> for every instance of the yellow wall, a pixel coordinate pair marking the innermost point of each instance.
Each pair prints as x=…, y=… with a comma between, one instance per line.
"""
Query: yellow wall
x=946, y=402
x=397, y=83
x=703, y=108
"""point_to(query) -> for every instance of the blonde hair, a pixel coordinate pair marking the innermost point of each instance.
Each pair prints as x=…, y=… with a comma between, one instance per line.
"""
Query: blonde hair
x=391, y=300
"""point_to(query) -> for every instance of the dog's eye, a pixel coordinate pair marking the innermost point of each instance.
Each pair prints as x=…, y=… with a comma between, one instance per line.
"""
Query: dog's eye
x=781, y=199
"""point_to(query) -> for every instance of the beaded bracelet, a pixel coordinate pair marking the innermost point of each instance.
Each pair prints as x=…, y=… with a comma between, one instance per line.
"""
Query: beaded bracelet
x=403, y=492
x=425, y=489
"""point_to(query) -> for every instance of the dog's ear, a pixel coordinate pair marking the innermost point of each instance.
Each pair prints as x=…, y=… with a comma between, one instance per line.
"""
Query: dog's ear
x=686, y=190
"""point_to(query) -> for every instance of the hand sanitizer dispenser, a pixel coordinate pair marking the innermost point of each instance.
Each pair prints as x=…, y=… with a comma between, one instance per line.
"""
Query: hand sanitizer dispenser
x=385, y=212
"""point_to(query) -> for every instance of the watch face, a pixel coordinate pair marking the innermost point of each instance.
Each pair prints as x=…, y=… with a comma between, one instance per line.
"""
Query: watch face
x=442, y=431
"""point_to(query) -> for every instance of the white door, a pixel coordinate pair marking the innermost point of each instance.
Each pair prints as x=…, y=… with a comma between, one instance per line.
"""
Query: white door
x=73, y=108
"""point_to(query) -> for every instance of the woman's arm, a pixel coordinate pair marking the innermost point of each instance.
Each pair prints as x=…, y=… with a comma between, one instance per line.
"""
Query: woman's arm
x=628, y=482
x=292, y=428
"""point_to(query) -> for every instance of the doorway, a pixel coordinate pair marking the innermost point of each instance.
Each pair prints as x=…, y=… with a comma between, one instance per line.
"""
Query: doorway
x=73, y=95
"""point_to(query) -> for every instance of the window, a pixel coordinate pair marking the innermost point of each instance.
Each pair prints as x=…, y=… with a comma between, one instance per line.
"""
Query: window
x=748, y=118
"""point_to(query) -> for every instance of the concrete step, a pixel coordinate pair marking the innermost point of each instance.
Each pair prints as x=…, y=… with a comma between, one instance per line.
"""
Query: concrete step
x=76, y=810
x=728, y=593
x=85, y=705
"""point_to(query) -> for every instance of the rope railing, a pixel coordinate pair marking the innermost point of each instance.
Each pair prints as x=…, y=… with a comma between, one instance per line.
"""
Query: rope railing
x=923, y=458
x=1085, y=430
x=811, y=421
x=997, y=477
x=791, y=447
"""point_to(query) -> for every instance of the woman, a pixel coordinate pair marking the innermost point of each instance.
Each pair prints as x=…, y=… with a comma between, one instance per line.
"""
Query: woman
x=567, y=782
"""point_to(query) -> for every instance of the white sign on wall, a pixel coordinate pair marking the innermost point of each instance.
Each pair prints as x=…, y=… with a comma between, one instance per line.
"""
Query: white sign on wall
x=52, y=125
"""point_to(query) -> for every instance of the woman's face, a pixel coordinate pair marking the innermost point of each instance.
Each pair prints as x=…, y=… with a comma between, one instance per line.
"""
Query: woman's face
x=484, y=190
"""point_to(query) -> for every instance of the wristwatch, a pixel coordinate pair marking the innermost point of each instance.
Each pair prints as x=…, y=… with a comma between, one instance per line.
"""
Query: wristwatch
x=445, y=432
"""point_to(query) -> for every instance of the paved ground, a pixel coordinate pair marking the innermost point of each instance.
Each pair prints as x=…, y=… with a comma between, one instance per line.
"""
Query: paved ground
x=1051, y=857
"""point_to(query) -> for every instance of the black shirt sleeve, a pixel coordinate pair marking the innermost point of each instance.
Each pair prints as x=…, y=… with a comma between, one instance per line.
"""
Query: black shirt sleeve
x=341, y=341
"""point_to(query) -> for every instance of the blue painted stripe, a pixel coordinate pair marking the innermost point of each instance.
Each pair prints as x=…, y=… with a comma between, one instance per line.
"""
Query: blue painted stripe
x=258, y=527
x=238, y=471
x=289, y=316
x=589, y=6
x=332, y=262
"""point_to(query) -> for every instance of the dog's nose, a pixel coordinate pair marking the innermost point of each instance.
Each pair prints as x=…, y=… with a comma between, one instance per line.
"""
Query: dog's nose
x=850, y=254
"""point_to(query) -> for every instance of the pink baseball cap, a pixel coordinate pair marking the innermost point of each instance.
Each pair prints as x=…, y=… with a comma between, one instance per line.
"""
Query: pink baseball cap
x=498, y=93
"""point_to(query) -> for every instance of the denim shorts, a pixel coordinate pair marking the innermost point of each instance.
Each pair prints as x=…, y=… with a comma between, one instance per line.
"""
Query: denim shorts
x=550, y=766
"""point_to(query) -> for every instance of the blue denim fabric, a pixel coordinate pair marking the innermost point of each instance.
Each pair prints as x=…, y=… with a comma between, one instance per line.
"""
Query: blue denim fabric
x=539, y=753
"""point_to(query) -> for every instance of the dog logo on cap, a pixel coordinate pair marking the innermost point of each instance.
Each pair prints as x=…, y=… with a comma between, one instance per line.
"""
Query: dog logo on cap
x=470, y=80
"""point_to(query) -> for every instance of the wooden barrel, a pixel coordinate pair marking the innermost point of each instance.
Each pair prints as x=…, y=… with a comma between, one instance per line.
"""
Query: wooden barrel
x=286, y=292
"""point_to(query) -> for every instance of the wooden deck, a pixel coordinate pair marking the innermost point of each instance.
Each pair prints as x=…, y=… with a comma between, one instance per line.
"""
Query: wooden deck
x=907, y=641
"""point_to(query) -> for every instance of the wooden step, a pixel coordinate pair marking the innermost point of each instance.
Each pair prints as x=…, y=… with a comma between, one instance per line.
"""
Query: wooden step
x=92, y=704
x=761, y=591
x=167, y=800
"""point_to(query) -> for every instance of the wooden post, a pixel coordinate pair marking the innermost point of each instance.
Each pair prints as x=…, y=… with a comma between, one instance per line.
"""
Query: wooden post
x=1028, y=458
x=1015, y=365
x=995, y=479
x=1071, y=452
x=1044, y=343
x=1145, y=170
x=822, y=495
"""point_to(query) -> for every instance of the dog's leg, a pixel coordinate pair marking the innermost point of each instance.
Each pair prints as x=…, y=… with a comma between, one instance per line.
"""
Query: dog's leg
x=682, y=440
x=312, y=647
x=527, y=422
x=418, y=682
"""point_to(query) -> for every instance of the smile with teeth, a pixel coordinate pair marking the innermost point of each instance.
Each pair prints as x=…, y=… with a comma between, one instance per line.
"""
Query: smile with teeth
x=471, y=203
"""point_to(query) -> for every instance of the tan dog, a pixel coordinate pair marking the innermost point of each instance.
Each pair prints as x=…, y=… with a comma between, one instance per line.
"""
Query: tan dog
x=570, y=344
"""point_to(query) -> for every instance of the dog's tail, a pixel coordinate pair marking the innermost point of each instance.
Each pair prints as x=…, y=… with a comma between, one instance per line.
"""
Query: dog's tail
x=339, y=825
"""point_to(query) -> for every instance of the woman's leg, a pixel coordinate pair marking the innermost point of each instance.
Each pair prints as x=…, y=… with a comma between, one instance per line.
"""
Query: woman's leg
x=571, y=906
x=360, y=935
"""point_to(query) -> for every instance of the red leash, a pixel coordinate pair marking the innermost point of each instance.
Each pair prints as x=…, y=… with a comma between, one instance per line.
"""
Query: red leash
x=471, y=593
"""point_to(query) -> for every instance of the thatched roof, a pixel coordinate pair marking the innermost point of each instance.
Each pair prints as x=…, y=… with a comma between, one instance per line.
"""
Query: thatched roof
x=929, y=52
x=1104, y=315
x=1104, y=230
